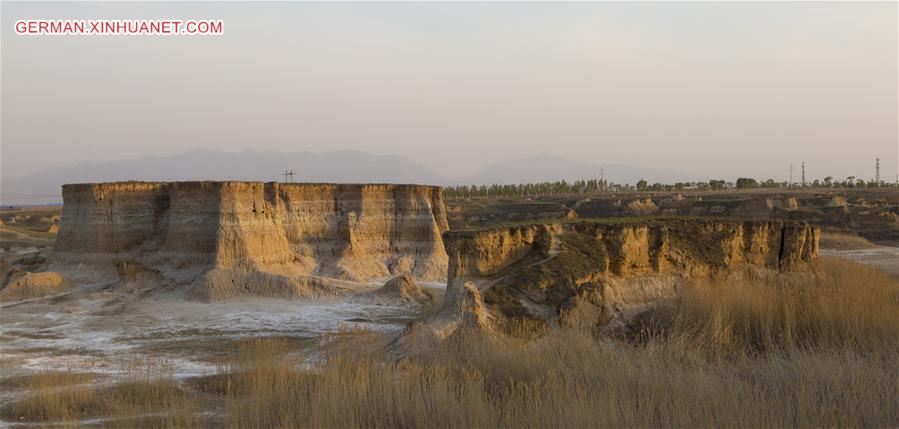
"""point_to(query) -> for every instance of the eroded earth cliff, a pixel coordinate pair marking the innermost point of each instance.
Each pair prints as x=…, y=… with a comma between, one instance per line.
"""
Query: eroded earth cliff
x=587, y=271
x=872, y=214
x=225, y=239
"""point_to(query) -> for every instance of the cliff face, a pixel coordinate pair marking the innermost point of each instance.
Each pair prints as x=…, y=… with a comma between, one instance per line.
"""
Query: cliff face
x=546, y=272
x=232, y=238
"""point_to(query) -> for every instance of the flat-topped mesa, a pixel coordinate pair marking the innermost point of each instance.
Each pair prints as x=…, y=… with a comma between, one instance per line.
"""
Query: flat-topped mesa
x=253, y=238
x=597, y=268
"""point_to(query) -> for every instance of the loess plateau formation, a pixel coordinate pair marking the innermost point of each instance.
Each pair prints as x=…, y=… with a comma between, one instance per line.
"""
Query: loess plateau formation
x=226, y=239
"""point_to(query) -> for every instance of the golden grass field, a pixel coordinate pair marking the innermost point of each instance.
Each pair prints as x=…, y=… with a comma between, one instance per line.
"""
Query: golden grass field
x=814, y=349
x=844, y=241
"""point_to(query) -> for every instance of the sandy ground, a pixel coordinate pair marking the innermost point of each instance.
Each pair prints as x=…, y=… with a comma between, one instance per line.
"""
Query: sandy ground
x=85, y=332
x=881, y=257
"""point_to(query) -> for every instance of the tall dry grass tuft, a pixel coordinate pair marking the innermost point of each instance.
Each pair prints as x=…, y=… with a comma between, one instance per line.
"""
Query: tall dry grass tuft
x=836, y=304
x=147, y=397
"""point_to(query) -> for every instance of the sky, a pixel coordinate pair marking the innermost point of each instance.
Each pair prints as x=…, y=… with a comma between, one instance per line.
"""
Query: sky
x=716, y=89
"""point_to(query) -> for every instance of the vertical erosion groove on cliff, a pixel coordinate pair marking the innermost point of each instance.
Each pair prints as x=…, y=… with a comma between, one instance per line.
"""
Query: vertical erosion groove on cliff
x=252, y=238
x=591, y=270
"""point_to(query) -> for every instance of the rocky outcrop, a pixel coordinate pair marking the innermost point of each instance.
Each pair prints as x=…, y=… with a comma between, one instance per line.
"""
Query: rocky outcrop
x=463, y=307
x=403, y=288
x=640, y=207
x=24, y=285
x=252, y=238
x=134, y=276
x=565, y=272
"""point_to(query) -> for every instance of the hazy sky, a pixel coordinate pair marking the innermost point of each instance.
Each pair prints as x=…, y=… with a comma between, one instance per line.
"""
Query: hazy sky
x=714, y=89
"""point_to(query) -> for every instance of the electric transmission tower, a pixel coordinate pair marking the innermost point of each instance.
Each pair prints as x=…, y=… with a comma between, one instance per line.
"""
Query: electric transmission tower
x=803, y=174
x=877, y=171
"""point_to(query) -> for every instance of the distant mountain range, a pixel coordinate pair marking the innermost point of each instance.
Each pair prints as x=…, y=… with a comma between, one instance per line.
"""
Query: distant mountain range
x=549, y=168
x=336, y=166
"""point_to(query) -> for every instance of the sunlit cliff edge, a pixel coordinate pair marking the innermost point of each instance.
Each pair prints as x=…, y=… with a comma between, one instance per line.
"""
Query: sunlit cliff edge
x=592, y=271
x=226, y=239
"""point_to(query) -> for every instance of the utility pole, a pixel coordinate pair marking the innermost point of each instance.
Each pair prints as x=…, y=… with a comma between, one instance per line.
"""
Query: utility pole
x=877, y=171
x=288, y=175
x=790, y=185
x=803, y=174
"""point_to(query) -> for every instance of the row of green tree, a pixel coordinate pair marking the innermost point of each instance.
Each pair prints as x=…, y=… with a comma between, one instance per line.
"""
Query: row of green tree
x=828, y=182
x=561, y=187
x=594, y=186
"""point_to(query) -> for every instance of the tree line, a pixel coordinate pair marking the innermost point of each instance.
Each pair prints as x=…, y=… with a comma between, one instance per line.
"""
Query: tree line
x=595, y=186
x=561, y=187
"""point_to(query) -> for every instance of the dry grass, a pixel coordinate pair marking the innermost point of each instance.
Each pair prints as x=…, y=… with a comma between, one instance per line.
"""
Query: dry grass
x=843, y=241
x=48, y=378
x=817, y=350
x=835, y=305
x=567, y=380
x=148, y=397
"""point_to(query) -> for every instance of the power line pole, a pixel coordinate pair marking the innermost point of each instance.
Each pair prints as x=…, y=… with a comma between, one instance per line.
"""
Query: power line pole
x=288, y=175
x=803, y=174
x=790, y=185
